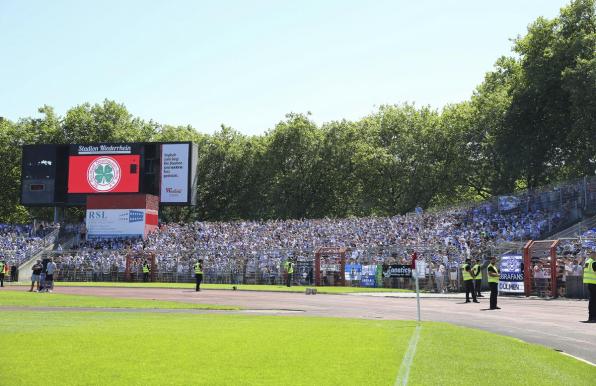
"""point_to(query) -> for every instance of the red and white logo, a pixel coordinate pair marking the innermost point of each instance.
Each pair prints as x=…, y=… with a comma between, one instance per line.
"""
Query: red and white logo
x=103, y=174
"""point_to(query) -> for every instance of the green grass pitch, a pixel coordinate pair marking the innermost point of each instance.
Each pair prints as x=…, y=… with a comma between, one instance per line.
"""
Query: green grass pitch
x=127, y=348
x=32, y=299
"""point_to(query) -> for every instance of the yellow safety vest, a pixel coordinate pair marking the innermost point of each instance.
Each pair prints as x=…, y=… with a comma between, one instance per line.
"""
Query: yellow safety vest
x=145, y=268
x=465, y=273
x=290, y=267
x=476, y=271
x=589, y=273
x=493, y=279
x=198, y=270
x=1, y=267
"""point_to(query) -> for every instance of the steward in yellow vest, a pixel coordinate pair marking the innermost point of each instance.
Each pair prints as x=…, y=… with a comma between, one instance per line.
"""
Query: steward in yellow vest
x=146, y=271
x=590, y=282
x=198, y=274
x=466, y=272
x=2, y=265
x=493, y=282
x=289, y=266
x=477, y=273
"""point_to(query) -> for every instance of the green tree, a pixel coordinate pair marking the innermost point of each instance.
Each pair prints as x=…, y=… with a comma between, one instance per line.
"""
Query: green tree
x=11, y=135
x=106, y=122
x=291, y=156
x=338, y=187
x=546, y=117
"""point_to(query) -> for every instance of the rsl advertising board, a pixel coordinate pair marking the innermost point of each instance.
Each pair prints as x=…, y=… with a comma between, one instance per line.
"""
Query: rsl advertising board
x=511, y=274
x=110, y=223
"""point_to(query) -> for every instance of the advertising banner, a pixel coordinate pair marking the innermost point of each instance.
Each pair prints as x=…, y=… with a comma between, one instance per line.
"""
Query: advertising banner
x=421, y=267
x=379, y=275
x=353, y=271
x=103, y=174
x=112, y=223
x=397, y=270
x=508, y=202
x=304, y=267
x=369, y=273
x=330, y=267
x=174, y=172
x=511, y=274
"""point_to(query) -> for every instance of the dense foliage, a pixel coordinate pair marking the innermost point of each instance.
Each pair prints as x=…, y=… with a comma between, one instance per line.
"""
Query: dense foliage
x=532, y=121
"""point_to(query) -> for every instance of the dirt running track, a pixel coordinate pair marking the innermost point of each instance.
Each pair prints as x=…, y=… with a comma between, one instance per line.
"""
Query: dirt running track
x=553, y=323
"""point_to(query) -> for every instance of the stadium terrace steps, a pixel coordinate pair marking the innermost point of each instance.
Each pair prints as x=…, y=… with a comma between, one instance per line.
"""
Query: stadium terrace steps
x=25, y=267
x=65, y=241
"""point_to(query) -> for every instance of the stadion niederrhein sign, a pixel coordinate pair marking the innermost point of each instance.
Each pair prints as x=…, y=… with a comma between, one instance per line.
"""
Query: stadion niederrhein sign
x=104, y=149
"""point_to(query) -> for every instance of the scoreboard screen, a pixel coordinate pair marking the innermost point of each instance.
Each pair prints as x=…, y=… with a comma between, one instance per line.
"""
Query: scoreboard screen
x=103, y=174
x=63, y=175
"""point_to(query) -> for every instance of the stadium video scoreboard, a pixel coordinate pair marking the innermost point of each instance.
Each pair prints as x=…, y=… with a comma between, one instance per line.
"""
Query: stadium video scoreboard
x=63, y=175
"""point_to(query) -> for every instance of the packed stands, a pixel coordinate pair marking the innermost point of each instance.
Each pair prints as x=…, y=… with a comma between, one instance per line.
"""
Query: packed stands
x=260, y=246
x=18, y=243
x=233, y=251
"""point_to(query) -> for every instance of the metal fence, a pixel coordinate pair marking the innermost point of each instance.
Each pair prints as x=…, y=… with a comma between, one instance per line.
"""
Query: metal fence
x=442, y=266
x=571, y=254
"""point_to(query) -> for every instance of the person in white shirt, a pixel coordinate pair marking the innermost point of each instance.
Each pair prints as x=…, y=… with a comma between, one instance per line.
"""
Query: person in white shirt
x=439, y=274
x=51, y=269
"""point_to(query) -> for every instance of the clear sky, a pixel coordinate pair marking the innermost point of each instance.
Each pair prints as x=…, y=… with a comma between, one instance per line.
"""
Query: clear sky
x=248, y=63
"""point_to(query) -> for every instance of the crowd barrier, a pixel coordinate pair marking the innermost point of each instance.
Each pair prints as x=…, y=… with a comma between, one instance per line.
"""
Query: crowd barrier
x=572, y=287
x=451, y=282
x=368, y=268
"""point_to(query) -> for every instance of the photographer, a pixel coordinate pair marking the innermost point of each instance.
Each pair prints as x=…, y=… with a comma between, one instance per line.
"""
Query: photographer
x=35, y=275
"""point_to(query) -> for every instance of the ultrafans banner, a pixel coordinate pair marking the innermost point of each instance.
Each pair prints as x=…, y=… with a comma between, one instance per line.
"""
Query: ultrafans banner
x=511, y=278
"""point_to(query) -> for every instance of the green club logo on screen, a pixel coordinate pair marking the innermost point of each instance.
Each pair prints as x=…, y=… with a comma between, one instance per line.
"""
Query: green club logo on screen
x=103, y=174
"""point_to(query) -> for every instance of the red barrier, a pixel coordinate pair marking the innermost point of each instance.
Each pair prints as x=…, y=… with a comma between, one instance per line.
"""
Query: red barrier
x=536, y=251
x=333, y=253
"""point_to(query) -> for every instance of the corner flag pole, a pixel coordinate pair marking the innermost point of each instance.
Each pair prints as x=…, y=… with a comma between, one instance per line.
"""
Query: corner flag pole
x=415, y=273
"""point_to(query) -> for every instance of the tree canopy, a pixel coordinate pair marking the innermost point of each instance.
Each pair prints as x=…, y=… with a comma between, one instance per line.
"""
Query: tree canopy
x=532, y=121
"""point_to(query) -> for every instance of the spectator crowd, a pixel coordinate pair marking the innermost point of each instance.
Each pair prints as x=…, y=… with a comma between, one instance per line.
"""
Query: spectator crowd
x=259, y=247
x=232, y=249
x=19, y=242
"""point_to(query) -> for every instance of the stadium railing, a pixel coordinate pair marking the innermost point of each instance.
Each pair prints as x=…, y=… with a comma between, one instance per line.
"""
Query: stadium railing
x=109, y=265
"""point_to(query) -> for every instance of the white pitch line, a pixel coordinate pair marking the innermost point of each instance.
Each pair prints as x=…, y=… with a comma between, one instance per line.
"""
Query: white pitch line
x=578, y=358
x=406, y=363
